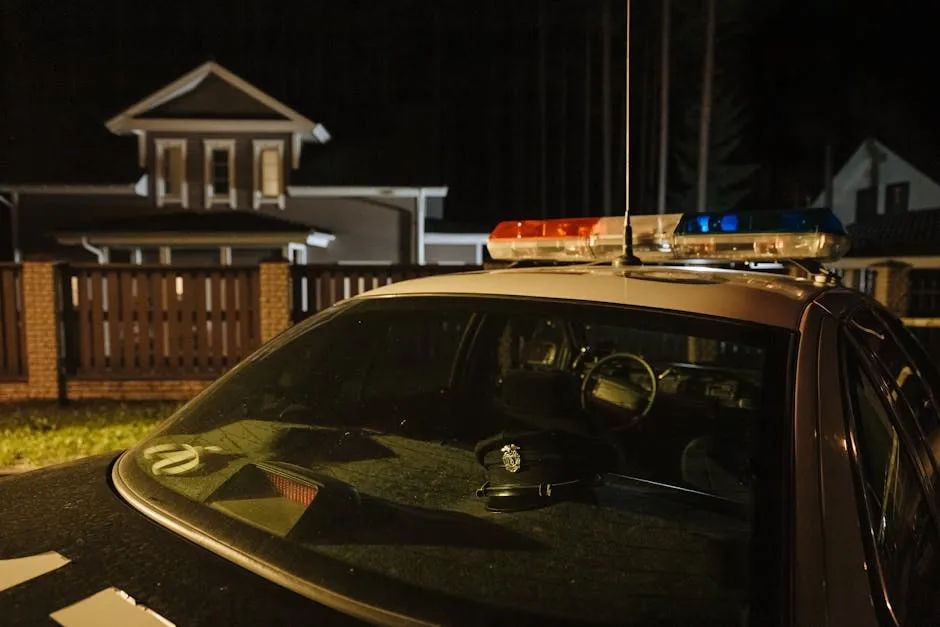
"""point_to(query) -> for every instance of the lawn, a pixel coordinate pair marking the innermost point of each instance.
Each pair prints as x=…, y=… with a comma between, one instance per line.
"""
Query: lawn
x=39, y=434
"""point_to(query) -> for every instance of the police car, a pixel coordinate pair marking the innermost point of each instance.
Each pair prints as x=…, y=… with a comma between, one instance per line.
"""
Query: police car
x=576, y=440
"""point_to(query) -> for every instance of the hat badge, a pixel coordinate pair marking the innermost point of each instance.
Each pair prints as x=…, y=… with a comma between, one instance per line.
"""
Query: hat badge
x=512, y=459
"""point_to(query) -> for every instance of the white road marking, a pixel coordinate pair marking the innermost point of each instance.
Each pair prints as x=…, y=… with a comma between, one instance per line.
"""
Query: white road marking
x=109, y=608
x=15, y=571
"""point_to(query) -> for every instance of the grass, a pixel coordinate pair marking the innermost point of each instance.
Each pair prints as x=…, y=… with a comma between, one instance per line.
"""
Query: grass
x=40, y=434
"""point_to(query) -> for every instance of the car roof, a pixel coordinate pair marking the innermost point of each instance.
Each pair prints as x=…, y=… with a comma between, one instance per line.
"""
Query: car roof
x=758, y=297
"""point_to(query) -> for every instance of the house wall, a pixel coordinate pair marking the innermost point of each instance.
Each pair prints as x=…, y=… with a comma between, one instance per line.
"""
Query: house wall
x=856, y=176
x=366, y=229
x=450, y=253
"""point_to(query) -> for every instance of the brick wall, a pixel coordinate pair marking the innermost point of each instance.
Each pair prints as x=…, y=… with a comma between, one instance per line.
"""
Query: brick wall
x=275, y=298
x=41, y=331
x=892, y=286
x=137, y=390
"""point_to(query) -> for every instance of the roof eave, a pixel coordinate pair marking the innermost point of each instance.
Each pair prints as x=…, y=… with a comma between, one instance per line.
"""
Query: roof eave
x=157, y=238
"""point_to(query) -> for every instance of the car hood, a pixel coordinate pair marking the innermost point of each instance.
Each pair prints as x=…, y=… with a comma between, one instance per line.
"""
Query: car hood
x=74, y=511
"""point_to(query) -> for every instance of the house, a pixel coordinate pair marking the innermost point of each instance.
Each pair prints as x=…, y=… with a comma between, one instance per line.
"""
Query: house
x=876, y=181
x=210, y=168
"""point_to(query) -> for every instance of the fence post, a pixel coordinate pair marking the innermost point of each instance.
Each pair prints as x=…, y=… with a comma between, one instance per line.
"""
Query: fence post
x=274, y=280
x=892, y=286
x=41, y=325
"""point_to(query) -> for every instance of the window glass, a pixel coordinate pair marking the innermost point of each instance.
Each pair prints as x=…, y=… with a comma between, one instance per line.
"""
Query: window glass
x=912, y=379
x=172, y=170
x=270, y=173
x=903, y=531
x=220, y=171
x=562, y=461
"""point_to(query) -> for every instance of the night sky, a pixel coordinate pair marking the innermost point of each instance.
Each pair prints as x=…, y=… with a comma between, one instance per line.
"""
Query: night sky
x=435, y=92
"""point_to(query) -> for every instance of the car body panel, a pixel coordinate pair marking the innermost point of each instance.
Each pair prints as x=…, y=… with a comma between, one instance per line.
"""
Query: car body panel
x=848, y=596
x=72, y=509
x=762, y=298
x=808, y=582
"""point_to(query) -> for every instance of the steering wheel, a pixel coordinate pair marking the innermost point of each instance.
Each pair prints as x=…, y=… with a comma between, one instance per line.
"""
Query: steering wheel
x=636, y=391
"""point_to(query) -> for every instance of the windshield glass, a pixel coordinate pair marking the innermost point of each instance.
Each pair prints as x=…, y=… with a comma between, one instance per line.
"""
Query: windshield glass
x=478, y=457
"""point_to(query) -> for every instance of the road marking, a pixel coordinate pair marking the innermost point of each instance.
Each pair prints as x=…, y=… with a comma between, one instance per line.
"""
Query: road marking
x=109, y=608
x=15, y=571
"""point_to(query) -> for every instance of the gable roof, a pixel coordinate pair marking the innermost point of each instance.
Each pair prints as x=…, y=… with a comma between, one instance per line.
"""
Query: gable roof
x=858, y=167
x=912, y=233
x=180, y=102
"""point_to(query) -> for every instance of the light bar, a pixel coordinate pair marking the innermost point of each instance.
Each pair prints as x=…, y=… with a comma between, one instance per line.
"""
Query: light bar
x=761, y=236
x=733, y=236
x=583, y=239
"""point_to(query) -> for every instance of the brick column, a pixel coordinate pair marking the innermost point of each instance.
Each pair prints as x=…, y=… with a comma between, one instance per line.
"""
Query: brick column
x=274, y=280
x=41, y=325
x=892, y=283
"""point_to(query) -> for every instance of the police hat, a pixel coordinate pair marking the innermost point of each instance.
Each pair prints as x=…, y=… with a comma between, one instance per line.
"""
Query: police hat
x=527, y=470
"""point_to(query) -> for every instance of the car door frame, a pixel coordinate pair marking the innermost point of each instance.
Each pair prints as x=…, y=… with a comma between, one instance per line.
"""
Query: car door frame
x=836, y=589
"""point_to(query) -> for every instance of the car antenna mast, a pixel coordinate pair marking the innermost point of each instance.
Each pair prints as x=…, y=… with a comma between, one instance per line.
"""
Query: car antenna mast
x=628, y=258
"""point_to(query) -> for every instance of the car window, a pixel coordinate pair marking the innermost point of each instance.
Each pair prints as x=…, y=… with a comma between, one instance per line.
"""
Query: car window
x=891, y=347
x=514, y=458
x=902, y=529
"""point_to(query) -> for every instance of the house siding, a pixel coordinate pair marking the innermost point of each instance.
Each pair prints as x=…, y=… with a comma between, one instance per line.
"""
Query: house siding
x=366, y=229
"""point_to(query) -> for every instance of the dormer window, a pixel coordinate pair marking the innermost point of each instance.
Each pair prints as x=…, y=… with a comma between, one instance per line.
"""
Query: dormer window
x=220, y=172
x=897, y=197
x=269, y=173
x=171, y=182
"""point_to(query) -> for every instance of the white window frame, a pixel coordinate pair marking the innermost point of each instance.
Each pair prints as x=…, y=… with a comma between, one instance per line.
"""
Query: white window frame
x=162, y=197
x=258, y=146
x=231, y=198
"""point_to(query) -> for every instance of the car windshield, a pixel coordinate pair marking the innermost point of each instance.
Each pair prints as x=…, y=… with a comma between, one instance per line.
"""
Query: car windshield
x=473, y=459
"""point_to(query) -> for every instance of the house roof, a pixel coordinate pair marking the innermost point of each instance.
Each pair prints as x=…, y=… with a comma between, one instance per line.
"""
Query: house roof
x=211, y=92
x=912, y=233
x=858, y=166
x=226, y=222
x=192, y=228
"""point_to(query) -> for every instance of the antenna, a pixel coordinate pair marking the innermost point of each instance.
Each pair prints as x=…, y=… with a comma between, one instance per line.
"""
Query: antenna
x=629, y=259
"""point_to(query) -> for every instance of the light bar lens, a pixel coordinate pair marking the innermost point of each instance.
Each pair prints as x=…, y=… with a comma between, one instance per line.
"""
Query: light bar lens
x=761, y=235
x=582, y=239
x=754, y=222
x=739, y=236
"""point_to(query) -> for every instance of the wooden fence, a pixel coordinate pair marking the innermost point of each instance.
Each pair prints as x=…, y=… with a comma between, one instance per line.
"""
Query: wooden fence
x=132, y=321
x=12, y=358
x=316, y=287
x=127, y=322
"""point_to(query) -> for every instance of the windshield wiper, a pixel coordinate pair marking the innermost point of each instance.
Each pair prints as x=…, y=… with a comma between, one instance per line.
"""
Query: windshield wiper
x=683, y=495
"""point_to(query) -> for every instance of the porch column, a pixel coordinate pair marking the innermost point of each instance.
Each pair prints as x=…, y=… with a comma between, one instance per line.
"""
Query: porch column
x=274, y=280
